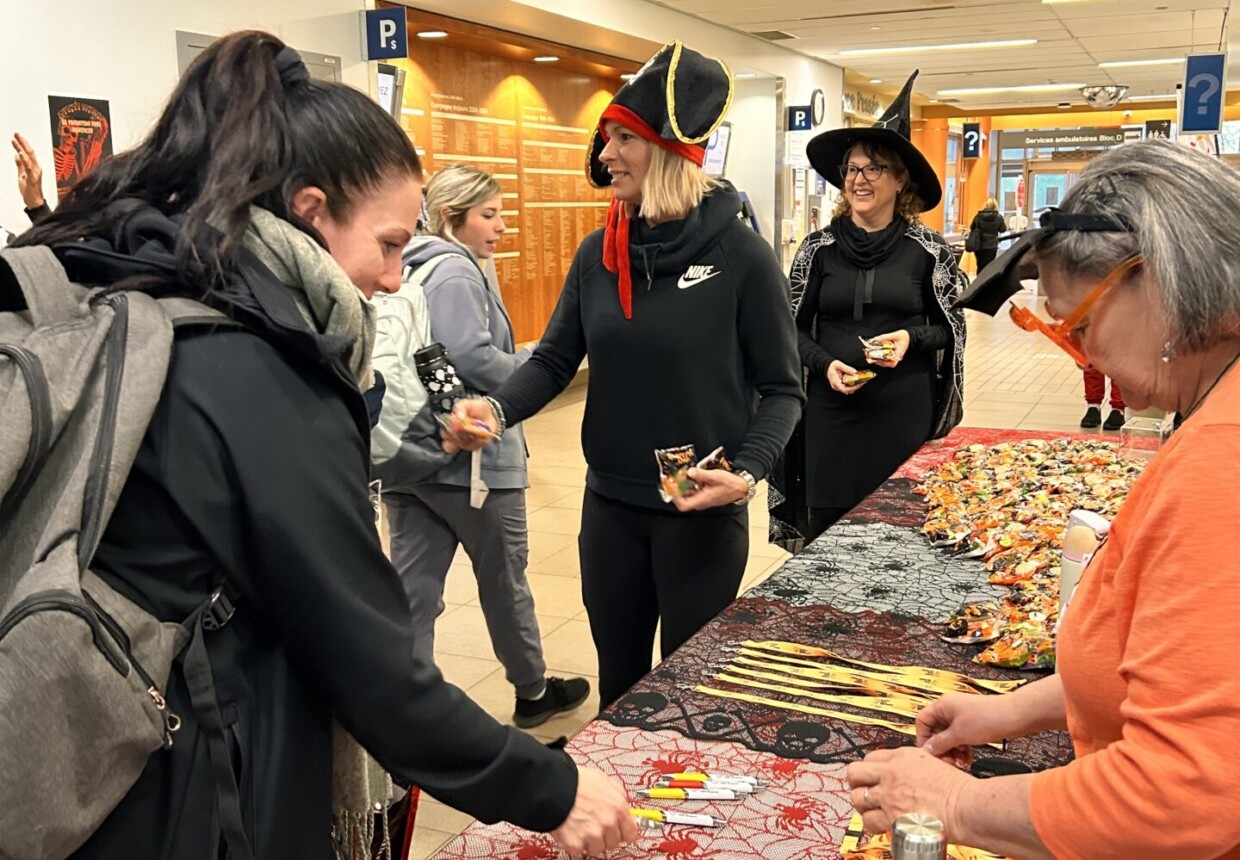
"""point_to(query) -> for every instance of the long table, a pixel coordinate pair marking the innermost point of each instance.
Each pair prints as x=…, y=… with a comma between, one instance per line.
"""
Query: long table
x=871, y=588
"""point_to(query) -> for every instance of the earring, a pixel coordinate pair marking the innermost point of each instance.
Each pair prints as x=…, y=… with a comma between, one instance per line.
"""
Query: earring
x=1168, y=353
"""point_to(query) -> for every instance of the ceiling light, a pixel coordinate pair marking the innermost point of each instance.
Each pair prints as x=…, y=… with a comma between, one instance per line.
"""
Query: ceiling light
x=876, y=80
x=1032, y=88
x=549, y=58
x=745, y=75
x=1160, y=97
x=432, y=34
x=628, y=76
x=1116, y=64
x=876, y=28
x=1104, y=96
x=959, y=46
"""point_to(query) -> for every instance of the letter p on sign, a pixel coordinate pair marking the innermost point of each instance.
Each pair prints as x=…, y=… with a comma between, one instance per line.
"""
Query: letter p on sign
x=386, y=34
x=800, y=118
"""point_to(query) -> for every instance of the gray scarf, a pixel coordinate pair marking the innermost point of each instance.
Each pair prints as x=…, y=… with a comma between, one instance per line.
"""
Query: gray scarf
x=328, y=300
x=332, y=305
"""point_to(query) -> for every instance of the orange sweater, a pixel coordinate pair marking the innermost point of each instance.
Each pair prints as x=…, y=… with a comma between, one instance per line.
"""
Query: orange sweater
x=1149, y=654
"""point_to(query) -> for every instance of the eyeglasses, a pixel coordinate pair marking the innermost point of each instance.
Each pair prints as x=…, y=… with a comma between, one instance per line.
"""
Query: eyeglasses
x=1065, y=332
x=872, y=172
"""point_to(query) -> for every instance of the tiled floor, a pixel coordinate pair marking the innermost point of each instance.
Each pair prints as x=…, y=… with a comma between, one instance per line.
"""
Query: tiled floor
x=1014, y=380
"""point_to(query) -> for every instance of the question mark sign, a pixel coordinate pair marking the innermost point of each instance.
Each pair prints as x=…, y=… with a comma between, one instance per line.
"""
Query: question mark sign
x=972, y=138
x=1211, y=85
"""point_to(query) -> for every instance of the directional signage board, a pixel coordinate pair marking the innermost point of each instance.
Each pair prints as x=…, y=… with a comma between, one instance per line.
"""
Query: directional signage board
x=972, y=140
x=1205, y=84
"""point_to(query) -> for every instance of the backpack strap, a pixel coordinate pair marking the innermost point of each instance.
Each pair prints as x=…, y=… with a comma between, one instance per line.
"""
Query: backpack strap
x=188, y=312
x=213, y=614
x=50, y=296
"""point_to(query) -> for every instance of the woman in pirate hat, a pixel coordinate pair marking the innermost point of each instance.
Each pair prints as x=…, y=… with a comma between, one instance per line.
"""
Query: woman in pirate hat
x=882, y=348
x=682, y=311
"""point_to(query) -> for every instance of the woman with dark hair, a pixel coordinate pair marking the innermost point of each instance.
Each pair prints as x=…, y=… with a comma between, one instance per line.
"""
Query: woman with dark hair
x=252, y=195
x=882, y=349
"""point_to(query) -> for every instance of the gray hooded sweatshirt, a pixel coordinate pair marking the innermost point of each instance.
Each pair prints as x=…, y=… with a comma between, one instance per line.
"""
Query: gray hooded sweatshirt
x=469, y=318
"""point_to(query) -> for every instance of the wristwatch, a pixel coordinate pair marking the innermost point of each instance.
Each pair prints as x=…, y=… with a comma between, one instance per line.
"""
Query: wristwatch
x=753, y=487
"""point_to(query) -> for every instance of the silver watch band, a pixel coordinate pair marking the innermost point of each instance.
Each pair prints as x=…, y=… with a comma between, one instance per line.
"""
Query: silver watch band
x=753, y=488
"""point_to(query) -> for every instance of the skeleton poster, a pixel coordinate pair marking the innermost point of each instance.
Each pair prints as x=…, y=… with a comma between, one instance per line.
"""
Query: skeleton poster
x=81, y=138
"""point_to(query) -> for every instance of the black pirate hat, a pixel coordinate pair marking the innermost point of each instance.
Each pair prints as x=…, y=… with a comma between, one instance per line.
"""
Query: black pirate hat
x=676, y=101
x=826, y=152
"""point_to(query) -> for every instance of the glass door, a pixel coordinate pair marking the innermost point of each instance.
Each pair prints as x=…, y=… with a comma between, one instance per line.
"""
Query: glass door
x=1048, y=183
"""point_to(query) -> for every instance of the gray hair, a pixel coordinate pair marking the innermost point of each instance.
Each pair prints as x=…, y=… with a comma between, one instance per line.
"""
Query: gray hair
x=457, y=188
x=1185, y=210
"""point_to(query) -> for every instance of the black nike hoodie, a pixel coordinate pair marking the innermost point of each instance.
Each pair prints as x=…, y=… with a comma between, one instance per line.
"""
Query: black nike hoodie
x=709, y=357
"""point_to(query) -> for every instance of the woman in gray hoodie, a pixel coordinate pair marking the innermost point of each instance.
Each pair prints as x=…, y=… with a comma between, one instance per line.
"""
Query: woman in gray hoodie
x=446, y=298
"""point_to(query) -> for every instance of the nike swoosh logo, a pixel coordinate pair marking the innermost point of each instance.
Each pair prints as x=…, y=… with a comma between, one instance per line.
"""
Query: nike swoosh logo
x=685, y=283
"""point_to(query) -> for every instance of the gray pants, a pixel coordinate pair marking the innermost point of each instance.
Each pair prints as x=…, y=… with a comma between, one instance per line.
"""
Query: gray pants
x=426, y=527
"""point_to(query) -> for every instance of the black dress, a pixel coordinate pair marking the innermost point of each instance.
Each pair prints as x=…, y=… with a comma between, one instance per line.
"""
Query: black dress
x=855, y=442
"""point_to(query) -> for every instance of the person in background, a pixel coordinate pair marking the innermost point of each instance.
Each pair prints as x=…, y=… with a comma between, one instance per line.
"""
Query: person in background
x=871, y=292
x=29, y=180
x=680, y=308
x=255, y=465
x=988, y=224
x=1095, y=388
x=1149, y=292
x=427, y=493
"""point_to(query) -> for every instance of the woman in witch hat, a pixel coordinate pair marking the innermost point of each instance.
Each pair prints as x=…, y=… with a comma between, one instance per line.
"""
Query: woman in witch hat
x=882, y=348
x=682, y=311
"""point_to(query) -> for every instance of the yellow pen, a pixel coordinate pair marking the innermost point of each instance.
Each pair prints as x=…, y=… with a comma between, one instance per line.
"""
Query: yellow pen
x=662, y=793
x=667, y=816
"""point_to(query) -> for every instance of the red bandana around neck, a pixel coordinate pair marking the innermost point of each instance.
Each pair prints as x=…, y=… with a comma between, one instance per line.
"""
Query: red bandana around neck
x=616, y=233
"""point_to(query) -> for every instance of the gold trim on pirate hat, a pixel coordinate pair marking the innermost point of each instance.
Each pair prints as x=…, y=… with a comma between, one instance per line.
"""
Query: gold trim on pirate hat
x=675, y=101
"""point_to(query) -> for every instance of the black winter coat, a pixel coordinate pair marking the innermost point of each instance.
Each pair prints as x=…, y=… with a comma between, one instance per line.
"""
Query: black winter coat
x=988, y=224
x=255, y=466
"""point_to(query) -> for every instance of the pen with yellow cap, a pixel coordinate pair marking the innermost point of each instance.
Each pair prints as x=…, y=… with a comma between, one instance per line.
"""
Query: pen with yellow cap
x=714, y=777
x=711, y=785
x=668, y=816
x=663, y=793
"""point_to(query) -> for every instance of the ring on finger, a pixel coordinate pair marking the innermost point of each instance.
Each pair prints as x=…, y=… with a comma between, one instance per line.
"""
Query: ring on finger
x=865, y=797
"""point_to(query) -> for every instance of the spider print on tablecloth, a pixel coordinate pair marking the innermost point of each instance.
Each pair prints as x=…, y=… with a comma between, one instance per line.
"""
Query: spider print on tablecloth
x=880, y=567
x=666, y=699
x=802, y=813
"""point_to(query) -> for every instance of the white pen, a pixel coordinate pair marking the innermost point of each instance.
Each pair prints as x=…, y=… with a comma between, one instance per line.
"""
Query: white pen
x=667, y=816
x=698, y=776
x=739, y=786
x=663, y=793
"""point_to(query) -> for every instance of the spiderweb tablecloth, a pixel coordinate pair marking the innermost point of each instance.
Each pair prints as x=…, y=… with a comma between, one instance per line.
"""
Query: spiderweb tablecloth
x=871, y=588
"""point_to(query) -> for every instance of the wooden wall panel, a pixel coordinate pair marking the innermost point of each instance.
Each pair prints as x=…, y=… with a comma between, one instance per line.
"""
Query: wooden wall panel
x=528, y=125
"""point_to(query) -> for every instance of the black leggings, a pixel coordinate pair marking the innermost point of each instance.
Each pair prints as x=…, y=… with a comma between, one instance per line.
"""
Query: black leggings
x=640, y=566
x=985, y=258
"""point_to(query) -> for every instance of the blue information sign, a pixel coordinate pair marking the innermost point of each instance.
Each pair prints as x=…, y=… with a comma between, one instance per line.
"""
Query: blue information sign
x=1205, y=84
x=386, y=35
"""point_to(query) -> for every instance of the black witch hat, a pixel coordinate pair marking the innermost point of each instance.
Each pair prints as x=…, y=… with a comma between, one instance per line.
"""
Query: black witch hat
x=826, y=152
x=676, y=101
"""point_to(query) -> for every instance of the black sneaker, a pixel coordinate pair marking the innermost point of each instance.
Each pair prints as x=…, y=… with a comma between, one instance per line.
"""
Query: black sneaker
x=1115, y=420
x=1092, y=419
x=562, y=696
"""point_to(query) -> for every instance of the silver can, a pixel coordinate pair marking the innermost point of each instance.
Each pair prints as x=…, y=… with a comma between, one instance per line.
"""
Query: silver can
x=918, y=836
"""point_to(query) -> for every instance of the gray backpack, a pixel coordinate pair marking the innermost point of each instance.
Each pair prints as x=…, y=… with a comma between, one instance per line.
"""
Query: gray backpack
x=82, y=668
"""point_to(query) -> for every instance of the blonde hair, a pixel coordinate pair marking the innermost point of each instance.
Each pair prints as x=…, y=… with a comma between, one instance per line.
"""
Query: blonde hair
x=457, y=189
x=909, y=204
x=673, y=186
x=991, y=203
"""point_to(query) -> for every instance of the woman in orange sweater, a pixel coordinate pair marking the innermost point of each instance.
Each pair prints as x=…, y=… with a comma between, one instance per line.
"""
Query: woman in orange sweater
x=1148, y=683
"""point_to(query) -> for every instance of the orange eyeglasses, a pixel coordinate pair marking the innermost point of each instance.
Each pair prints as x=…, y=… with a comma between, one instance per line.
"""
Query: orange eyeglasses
x=1064, y=332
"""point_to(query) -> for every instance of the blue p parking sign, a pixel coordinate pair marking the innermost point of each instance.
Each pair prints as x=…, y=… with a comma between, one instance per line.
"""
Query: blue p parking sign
x=386, y=35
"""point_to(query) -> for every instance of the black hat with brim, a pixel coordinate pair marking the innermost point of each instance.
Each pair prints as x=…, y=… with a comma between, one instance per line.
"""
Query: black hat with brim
x=827, y=151
x=676, y=100
x=1002, y=278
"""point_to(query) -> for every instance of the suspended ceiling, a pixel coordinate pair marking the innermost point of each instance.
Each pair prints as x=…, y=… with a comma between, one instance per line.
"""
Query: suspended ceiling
x=1073, y=37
